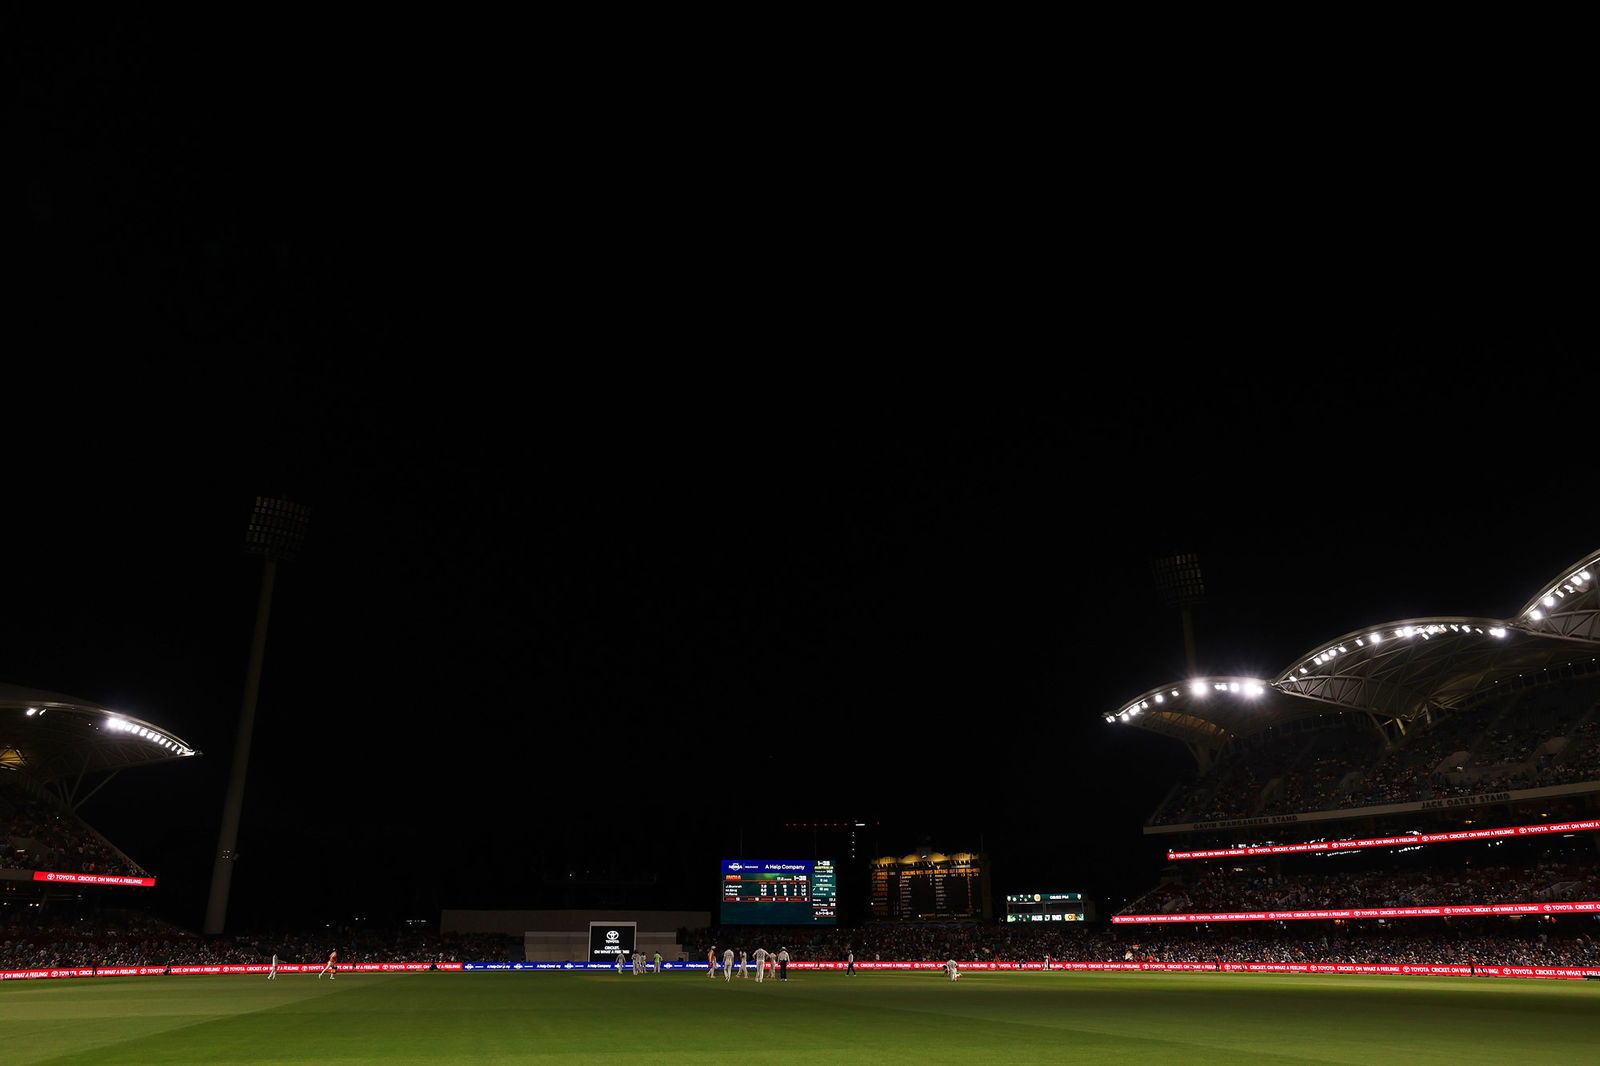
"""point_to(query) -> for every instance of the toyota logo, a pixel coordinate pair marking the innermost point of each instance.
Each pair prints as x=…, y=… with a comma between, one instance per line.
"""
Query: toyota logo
x=612, y=935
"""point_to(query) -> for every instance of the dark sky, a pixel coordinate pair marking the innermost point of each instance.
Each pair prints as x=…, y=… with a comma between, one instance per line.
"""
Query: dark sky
x=688, y=461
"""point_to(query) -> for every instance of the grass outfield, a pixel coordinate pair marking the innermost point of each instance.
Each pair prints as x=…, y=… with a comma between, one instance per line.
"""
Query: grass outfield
x=917, y=1018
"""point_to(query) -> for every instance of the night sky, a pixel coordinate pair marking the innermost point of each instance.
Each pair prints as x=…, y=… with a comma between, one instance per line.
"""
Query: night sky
x=688, y=462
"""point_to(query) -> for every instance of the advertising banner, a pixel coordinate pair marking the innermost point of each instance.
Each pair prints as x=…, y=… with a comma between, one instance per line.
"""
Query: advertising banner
x=1463, y=910
x=1414, y=969
x=93, y=879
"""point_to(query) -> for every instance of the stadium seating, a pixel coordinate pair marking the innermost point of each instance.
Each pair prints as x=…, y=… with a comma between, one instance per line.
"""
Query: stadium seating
x=36, y=834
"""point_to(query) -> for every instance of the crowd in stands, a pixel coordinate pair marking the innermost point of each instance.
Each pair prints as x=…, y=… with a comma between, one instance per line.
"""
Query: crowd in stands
x=1530, y=740
x=1488, y=945
x=1315, y=780
x=38, y=835
x=30, y=940
x=1219, y=890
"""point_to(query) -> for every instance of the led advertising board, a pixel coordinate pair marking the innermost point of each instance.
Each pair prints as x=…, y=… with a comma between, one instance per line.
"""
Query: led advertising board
x=779, y=892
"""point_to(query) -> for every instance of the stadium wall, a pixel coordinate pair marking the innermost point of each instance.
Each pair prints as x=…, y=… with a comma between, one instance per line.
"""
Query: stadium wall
x=563, y=935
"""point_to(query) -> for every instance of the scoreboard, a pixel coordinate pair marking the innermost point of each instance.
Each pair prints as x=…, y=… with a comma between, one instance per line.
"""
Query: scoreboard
x=779, y=892
x=1045, y=907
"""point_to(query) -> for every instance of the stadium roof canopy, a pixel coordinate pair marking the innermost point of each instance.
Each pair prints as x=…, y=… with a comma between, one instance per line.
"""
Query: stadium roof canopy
x=48, y=737
x=1395, y=673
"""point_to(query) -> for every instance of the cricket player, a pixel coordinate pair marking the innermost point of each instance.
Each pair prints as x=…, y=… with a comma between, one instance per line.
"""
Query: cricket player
x=620, y=956
x=744, y=965
x=658, y=962
x=761, y=965
x=273, y=973
x=727, y=965
x=951, y=969
x=711, y=961
x=333, y=965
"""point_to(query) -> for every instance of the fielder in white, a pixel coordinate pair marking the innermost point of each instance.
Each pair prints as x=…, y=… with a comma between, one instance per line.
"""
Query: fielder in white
x=761, y=965
x=951, y=969
x=744, y=964
x=727, y=965
x=272, y=973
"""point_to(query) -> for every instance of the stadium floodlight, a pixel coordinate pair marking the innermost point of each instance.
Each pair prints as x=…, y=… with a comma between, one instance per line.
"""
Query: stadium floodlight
x=277, y=530
x=1179, y=581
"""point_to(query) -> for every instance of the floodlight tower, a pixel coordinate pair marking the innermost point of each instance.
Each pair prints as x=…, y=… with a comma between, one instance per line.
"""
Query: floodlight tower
x=1178, y=578
x=277, y=530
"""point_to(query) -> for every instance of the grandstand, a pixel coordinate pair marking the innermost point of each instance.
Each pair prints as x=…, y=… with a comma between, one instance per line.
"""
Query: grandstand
x=1371, y=773
x=56, y=752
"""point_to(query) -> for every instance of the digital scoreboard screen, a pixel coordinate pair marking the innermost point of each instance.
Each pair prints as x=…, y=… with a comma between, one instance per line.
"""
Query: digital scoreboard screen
x=779, y=892
x=1045, y=907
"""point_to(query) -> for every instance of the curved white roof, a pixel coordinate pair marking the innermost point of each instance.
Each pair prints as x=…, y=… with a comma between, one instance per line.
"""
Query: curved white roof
x=1567, y=605
x=48, y=735
x=1396, y=670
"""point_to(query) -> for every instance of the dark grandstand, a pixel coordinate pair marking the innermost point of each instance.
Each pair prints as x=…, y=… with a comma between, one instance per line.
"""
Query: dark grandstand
x=1402, y=729
x=1337, y=773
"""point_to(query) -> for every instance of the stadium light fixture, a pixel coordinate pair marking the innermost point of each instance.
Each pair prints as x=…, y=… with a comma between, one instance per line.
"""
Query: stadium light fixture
x=1179, y=581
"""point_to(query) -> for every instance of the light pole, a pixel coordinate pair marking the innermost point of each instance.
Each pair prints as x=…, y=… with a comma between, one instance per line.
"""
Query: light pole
x=1178, y=578
x=277, y=530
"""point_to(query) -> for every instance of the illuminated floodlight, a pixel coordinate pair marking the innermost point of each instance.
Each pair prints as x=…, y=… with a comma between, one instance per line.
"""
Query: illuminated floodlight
x=1233, y=686
x=1160, y=698
x=1535, y=614
x=1496, y=631
x=1549, y=601
x=1375, y=637
x=1197, y=688
x=1303, y=670
x=1174, y=693
x=1253, y=690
